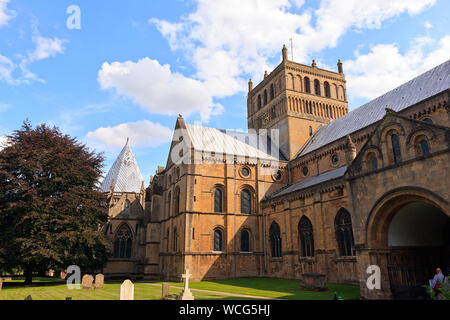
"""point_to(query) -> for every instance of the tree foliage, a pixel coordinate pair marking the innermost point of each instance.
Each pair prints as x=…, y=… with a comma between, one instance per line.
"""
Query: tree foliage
x=50, y=207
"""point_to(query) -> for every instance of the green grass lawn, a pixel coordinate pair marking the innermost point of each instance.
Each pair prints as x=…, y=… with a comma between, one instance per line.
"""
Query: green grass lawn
x=49, y=289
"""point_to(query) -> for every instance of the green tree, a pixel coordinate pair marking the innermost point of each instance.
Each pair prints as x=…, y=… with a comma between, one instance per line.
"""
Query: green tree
x=50, y=207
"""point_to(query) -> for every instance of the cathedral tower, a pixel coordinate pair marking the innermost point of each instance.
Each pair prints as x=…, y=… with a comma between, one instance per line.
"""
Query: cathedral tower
x=296, y=99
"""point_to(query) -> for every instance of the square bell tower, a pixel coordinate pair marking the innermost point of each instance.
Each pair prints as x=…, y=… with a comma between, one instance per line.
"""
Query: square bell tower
x=296, y=99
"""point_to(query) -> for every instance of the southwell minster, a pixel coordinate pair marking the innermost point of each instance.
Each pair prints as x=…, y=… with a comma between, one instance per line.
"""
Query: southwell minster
x=310, y=188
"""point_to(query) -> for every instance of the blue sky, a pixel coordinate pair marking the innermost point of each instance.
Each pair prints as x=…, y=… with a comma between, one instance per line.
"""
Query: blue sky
x=133, y=66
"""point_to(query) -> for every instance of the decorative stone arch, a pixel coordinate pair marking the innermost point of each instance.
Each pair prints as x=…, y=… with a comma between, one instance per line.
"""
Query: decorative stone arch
x=300, y=81
x=372, y=150
x=317, y=89
x=415, y=141
x=384, y=210
x=386, y=138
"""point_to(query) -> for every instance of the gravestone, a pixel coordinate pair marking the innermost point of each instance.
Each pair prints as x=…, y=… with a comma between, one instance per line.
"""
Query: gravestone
x=29, y=298
x=63, y=275
x=1, y=284
x=127, y=290
x=99, y=281
x=165, y=290
x=314, y=282
x=186, y=294
x=87, y=281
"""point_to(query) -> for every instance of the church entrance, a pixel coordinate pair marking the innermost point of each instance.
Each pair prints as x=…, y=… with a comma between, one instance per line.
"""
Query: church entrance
x=408, y=237
x=418, y=242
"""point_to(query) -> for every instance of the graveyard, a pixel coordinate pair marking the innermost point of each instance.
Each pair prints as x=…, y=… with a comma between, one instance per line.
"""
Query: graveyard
x=234, y=289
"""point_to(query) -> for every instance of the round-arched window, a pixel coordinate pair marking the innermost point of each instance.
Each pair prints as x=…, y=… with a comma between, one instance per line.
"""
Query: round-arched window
x=335, y=160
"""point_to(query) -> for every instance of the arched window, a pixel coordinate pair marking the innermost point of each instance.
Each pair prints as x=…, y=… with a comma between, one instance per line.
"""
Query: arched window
x=275, y=240
x=126, y=208
x=218, y=240
x=218, y=200
x=177, y=201
x=169, y=200
x=306, y=237
x=396, y=148
x=344, y=233
x=272, y=92
x=317, y=87
x=424, y=146
x=265, y=97
x=259, y=102
x=246, y=201
x=327, y=89
x=167, y=239
x=175, y=240
x=123, y=243
x=374, y=162
x=307, y=85
x=245, y=241
x=310, y=131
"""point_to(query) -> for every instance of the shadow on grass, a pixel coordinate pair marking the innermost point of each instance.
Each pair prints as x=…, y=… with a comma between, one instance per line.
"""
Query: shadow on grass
x=19, y=282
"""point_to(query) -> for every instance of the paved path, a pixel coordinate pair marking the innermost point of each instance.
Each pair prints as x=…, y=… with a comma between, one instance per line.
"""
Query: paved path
x=218, y=292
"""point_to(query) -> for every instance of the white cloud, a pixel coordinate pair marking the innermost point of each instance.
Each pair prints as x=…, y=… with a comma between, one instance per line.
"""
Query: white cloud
x=46, y=48
x=230, y=40
x=141, y=133
x=385, y=67
x=7, y=68
x=5, y=14
x=428, y=25
x=157, y=89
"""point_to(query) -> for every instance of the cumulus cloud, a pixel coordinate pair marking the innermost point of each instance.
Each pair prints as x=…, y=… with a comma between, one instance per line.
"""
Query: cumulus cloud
x=5, y=14
x=141, y=133
x=157, y=88
x=230, y=40
x=44, y=48
x=385, y=67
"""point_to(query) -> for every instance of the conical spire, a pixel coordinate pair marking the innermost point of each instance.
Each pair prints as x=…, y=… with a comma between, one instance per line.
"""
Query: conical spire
x=124, y=175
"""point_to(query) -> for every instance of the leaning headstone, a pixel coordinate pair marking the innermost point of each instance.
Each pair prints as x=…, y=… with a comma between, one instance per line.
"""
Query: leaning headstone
x=29, y=298
x=99, y=281
x=165, y=290
x=86, y=282
x=186, y=294
x=127, y=290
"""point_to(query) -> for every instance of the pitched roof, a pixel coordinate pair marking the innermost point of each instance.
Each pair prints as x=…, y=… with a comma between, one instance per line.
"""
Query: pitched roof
x=321, y=178
x=230, y=142
x=124, y=173
x=418, y=89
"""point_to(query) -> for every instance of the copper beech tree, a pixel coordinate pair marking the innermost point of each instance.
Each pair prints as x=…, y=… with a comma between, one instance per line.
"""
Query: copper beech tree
x=50, y=208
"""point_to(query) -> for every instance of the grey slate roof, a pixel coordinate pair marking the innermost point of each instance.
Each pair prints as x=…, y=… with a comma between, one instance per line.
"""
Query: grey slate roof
x=420, y=88
x=321, y=178
x=124, y=173
x=229, y=142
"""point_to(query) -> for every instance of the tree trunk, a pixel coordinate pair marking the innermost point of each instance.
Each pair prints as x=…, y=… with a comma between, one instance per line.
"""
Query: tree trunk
x=28, y=275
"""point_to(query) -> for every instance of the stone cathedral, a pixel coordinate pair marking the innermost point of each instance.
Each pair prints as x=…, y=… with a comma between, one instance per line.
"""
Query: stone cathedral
x=347, y=190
